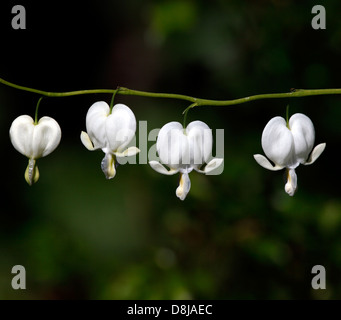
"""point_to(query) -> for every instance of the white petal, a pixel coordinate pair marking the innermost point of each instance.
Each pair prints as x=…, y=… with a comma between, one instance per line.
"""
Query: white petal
x=200, y=139
x=303, y=132
x=184, y=186
x=184, y=149
x=163, y=134
x=316, y=153
x=278, y=143
x=265, y=163
x=86, y=141
x=212, y=165
x=291, y=185
x=46, y=136
x=21, y=135
x=108, y=166
x=173, y=146
x=158, y=167
x=120, y=127
x=35, y=141
x=131, y=151
x=95, y=124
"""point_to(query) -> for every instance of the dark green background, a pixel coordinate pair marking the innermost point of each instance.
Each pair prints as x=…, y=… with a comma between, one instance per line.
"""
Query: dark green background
x=237, y=235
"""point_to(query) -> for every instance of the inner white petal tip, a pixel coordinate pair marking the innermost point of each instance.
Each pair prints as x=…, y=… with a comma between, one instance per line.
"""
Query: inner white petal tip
x=108, y=166
x=291, y=185
x=31, y=172
x=184, y=186
x=289, y=190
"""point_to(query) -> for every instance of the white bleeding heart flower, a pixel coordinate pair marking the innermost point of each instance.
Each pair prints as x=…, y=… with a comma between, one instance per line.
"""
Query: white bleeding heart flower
x=183, y=150
x=34, y=140
x=288, y=146
x=111, y=132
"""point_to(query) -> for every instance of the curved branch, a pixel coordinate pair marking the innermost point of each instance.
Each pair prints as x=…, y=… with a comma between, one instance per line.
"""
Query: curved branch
x=195, y=101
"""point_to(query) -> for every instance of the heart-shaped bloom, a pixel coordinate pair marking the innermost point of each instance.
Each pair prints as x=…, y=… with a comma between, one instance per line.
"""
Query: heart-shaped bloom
x=110, y=131
x=183, y=150
x=34, y=140
x=288, y=145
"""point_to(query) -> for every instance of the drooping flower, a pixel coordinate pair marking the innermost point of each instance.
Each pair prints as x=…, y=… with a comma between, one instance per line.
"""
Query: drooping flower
x=110, y=131
x=288, y=145
x=183, y=150
x=34, y=140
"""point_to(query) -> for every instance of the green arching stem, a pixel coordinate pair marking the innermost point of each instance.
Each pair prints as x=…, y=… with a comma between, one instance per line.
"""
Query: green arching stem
x=185, y=113
x=36, y=113
x=55, y=94
x=112, y=99
x=287, y=116
x=195, y=101
x=205, y=102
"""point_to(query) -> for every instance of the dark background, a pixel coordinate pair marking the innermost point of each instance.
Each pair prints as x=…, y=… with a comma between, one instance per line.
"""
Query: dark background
x=237, y=235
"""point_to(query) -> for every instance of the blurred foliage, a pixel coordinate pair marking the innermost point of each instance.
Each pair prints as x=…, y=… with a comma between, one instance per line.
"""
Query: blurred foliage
x=237, y=235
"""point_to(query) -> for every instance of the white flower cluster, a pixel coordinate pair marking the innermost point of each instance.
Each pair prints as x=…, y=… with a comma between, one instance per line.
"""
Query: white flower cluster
x=34, y=140
x=181, y=150
x=288, y=145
